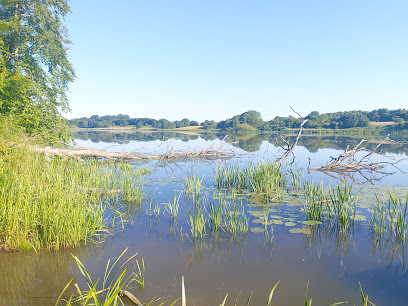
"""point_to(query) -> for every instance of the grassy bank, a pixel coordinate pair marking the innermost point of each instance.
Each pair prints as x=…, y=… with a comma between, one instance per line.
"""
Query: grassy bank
x=52, y=202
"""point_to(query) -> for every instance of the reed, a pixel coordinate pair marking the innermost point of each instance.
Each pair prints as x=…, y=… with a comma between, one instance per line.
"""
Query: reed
x=262, y=177
x=115, y=279
x=139, y=274
x=192, y=185
x=50, y=202
x=391, y=216
x=316, y=200
x=173, y=207
x=197, y=223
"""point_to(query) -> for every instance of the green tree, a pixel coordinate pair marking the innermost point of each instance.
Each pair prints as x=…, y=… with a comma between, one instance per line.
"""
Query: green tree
x=34, y=67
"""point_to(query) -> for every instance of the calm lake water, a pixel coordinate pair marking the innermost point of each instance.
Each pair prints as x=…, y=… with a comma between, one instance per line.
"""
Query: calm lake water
x=327, y=261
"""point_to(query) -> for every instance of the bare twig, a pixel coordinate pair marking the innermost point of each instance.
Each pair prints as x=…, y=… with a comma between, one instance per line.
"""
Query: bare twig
x=290, y=149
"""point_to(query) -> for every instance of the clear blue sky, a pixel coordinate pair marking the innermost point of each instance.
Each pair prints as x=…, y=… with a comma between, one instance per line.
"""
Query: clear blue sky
x=212, y=59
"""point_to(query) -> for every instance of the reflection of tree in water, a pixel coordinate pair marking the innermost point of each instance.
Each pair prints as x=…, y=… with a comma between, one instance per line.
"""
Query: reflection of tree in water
x=248, y=142
x=314, y=143
x=36, y=278
x=125, y=138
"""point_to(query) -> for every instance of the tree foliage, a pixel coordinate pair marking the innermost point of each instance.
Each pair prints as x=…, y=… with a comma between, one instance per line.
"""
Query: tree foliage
x=34, y=68
x=251, y=121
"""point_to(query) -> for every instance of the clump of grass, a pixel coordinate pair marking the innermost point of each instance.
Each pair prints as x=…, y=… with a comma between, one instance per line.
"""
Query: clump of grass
x=336, y=205
x=173, y=207
x=262, y=177
x=192, y=185
x=131, y=182
x=51, y=202
x=216, y=218
x=391, y=216
x=197, y=223
x=342, y=205
x=139, y=274
x=116, y=281
x=315, y=200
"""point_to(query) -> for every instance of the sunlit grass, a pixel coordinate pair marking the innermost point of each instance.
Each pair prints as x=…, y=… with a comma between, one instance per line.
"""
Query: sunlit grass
x=52, y=202
x=262, y=177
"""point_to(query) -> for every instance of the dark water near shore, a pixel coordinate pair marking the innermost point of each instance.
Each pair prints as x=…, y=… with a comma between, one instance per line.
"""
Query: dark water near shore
x=329, y=262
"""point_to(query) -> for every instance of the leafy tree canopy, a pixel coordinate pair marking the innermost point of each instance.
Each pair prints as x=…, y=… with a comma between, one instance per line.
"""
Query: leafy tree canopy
x=34, y=67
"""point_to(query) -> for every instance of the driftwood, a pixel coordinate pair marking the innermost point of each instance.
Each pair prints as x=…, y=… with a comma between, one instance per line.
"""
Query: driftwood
x=131, y=297
x=348, y=162
x=289, y=149
x=348, y=167
x=211, y=152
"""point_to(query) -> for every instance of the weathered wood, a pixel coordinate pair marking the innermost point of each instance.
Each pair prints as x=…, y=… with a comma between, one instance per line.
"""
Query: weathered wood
x=131, y=297
x=347, y=161
x=211, y=152
x=290, y=149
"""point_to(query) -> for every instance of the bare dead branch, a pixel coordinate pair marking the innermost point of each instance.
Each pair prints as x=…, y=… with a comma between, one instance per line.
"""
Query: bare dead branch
x=347, y=162
x=290, y=149
x=211, y=152
x=301, y=117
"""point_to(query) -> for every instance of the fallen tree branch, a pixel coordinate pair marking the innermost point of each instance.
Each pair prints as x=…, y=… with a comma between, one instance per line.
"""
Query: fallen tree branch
x=290, y=149
x=131, y=297
x=347, y=161
x=211, y=152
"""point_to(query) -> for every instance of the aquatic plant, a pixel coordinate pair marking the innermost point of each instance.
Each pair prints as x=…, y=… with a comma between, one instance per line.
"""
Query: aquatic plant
x=114, y=281
x=51, y=202
x=139, y=274
x=262, y=177
x=340, y=205
x=173, y=207
x=390, y=216
x=364, y=298
x=316, y=200
x=197, y=223
x=192, y=185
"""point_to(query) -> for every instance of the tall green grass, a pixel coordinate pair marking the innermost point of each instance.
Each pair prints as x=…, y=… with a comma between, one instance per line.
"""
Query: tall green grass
x=262, y=177
x=215, y=218
x=391, y=216
x=51, y=202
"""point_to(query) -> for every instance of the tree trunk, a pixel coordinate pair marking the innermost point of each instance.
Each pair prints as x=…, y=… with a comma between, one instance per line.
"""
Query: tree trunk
x=15, y=34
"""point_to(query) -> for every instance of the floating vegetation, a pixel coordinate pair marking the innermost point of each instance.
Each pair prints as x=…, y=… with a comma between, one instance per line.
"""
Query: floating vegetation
x=311, y=222
x=257, y=229
x=302, y=230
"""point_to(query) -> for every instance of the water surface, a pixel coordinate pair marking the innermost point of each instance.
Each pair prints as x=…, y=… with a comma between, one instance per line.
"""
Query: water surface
x=329, y=262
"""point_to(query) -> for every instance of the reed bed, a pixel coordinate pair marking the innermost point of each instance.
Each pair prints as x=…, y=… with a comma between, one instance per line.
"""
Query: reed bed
x=391, y=216
x=192, y=185
x=262, y=177
x=333, y=204
x=216, y=218
x=53, y=202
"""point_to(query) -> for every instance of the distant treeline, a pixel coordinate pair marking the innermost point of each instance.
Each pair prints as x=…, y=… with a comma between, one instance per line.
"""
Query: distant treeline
x=252, y=120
